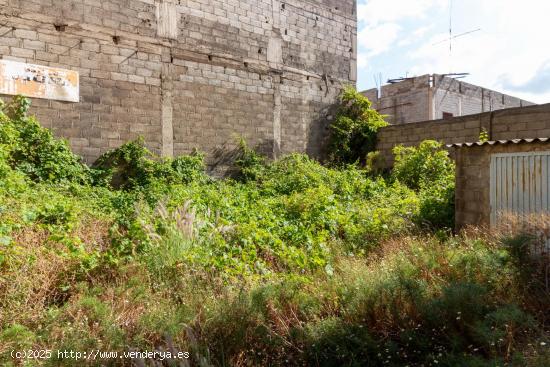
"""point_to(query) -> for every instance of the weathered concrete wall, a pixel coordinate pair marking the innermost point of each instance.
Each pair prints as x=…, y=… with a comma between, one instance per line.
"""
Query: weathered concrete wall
x=188, y=73
x=513, y=123
x=472, y=200
x=427, y=97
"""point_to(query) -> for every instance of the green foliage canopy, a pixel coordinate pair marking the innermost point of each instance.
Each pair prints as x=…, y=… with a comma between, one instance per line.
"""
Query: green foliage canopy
x=33, y=151
x=353, y=132
x=428, y=170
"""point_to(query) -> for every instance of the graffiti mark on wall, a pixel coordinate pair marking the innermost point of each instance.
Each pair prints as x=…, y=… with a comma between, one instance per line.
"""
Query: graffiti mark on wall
x=38, y=81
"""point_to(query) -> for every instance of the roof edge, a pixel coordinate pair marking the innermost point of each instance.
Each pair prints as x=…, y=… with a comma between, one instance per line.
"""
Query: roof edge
x=498, y=142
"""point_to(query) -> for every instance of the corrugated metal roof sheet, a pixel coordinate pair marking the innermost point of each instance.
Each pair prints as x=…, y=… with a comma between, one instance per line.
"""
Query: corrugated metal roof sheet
x=498, y=142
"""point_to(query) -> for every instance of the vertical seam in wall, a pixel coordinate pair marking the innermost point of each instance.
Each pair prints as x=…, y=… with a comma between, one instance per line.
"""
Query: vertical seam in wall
x=430, y=103
x=458, y=187
x=167, y=112
x=277, y=105
x=353, y=57
x=490, y=132
x=275, y=9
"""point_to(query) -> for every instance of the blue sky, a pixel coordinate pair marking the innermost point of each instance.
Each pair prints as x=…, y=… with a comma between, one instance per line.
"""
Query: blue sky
x=511, y=53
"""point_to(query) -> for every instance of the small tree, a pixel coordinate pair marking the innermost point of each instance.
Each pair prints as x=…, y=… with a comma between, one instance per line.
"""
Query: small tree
x=353, y=132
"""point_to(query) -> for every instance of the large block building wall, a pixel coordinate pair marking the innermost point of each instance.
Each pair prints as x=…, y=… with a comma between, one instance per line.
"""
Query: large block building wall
x=188, y=74
x=429, y=97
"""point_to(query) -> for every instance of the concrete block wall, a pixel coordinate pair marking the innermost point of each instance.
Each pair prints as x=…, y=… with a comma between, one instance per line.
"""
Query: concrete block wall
x=507, y=124
x=189, y=74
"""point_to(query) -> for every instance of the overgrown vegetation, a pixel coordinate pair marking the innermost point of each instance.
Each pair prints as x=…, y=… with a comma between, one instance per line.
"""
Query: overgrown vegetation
x=353, y=132
x=32, y=150
x=428, y=170
x=293, y=263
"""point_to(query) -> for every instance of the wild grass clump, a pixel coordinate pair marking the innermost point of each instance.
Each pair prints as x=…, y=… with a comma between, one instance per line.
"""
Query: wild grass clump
x=419, y=301
x=290, y=263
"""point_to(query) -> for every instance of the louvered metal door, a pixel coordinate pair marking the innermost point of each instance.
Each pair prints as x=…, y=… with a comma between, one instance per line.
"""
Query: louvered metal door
x=520, y=184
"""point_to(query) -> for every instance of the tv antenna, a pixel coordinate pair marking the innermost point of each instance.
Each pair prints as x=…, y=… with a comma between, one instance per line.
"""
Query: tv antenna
x=378, y=82
x=452, y=36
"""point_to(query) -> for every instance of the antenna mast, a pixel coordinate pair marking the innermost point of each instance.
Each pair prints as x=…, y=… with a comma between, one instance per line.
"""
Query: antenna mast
x=452, y=37
x=450, y=29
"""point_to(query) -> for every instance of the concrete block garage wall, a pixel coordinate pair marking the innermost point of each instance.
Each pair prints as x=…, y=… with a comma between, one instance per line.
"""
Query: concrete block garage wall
x=473, y=179
x=188, y=74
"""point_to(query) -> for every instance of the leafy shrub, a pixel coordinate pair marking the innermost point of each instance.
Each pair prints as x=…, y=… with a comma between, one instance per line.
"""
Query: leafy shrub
x=421, y=166
x=286, y=218
x=298, y=172
x=428, y=170
x=186, y=169
x=483, y=135
x=293, y=173
x=250, y=163
x=56, y=214
x=437, y=205
x=133, y=165
x=375, y=163
x=353, y=132
x=32, y=149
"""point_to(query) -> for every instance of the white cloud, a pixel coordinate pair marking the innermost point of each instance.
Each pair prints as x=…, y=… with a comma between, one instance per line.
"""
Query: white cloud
x=414, y=36
x=362, y=60
x=540, y=83
x=379, y=29
x=508, y=53
x=376, y=12
x=378, y=39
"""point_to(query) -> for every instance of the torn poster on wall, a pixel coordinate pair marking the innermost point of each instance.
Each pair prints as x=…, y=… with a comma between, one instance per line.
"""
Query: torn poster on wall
x=38, y=81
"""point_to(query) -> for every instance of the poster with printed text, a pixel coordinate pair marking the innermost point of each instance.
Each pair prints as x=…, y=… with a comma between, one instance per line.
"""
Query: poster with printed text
x=17, y=78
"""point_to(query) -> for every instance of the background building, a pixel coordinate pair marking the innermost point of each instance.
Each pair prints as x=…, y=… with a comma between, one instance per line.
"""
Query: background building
x=433, y=97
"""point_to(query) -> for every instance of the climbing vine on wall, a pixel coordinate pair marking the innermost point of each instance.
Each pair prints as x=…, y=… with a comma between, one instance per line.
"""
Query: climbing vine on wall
x=353, y=132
